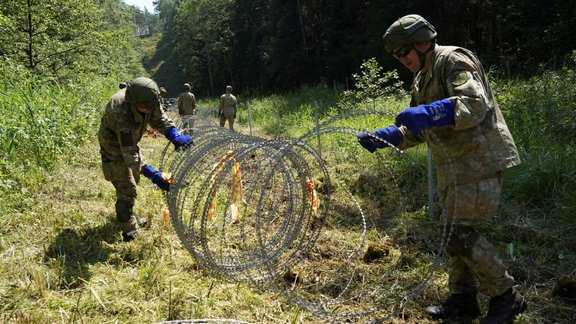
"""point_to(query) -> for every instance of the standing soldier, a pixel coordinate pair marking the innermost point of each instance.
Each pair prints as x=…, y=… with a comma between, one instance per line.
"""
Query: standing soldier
x=187, y=108
x=125, y=119
x=455, y=113
x=227, y=108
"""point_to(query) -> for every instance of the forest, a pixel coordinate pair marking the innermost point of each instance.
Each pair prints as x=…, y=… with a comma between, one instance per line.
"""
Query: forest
x=265, y=45
x=297, y=67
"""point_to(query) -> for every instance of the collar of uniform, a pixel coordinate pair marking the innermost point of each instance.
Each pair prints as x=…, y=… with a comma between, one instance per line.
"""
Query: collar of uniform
x=138, y=117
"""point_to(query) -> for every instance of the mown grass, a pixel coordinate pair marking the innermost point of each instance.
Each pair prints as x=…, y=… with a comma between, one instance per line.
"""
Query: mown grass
x=63, y=259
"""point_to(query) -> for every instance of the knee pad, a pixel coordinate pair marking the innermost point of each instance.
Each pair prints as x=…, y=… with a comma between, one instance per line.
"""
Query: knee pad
x=462, y=240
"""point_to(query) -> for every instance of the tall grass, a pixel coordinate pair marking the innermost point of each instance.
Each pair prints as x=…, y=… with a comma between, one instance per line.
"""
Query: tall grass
x=289, y=113
x=42, y=120
x=299, y=110
x=541, y=113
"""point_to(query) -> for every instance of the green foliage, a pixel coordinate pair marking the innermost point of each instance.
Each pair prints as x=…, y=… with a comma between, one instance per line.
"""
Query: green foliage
x=59, y=62
x=541, y=112
x=278, y=45
x=371, y=83
x=146, y=23
x=42, y=120
x=293, y=113
x=66, y=39
x=202, y=37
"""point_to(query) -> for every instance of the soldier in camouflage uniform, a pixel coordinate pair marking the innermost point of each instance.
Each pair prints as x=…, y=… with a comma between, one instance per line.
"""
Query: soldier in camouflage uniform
x=227, y=108
x=187, y=108
x=455, y=113
x=125, y=119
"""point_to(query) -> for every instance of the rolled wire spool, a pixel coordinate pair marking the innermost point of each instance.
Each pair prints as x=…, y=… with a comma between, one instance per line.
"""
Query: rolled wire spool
x=271, y=235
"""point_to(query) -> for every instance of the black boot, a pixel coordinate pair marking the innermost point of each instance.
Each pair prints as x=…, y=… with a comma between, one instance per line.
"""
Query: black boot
x=458, y=305
x=130, y=227
x=504, y=308
x=141, y=221
x=127, y=237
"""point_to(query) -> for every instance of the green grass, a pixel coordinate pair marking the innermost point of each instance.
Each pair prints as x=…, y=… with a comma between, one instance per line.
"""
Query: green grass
x=62, y=258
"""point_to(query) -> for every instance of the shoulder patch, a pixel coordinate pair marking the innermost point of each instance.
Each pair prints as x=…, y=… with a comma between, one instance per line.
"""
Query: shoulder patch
x=126, y=138
x=460, y=78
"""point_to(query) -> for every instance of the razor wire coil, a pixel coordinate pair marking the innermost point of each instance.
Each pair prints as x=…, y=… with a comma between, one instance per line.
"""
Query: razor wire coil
x=273, y=227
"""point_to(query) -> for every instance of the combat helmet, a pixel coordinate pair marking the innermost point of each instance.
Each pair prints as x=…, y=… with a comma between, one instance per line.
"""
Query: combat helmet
x=187, y=87
x=144, y=92
x=408, y=30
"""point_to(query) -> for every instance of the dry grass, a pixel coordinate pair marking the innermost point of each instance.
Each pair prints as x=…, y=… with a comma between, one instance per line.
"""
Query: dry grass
x=63, y=259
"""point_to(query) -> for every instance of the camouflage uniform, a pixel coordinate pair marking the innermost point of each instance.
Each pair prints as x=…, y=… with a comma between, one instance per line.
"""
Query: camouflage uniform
x=470, y=158
x=227, y=109
x=187, y=108
x=121, y=128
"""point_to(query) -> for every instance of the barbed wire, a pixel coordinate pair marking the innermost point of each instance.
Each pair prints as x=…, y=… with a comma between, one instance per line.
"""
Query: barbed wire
x=264, y=211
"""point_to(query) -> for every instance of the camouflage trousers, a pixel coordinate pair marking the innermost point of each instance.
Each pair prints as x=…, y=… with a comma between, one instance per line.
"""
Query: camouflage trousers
x=187, y=124
x=227, y=116
x=124, y=182
x=474, y=263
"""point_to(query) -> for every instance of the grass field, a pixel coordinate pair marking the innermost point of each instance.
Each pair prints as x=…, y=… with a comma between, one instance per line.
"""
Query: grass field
x=63, y=259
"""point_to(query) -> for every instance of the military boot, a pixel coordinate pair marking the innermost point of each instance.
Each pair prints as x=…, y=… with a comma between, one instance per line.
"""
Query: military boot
x=141, y=221
x=457, y=304
x=504, y=308
x=129, y=236
x=130, y=228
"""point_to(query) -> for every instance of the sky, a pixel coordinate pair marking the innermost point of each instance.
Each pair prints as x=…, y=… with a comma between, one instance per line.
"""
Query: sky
x=142, y=4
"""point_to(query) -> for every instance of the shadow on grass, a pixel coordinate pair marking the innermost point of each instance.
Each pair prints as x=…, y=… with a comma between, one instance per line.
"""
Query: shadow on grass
x=73, y=251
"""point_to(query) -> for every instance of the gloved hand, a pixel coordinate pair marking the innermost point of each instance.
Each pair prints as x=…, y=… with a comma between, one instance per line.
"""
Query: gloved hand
x=437, y=114
x=371, y=141
x=156, y=177
x=180, y=141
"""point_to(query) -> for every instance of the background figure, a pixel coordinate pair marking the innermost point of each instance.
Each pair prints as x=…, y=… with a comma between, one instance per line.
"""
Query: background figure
x=187, y=108
x=128, y=113
x=227, y=108
x=163, y=100
x=455, y=113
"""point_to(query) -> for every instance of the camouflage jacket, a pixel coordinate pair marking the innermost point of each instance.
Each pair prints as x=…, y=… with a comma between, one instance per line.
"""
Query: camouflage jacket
x=228, y=103
x=122, y=127
x=186, y=104
x=479, y=144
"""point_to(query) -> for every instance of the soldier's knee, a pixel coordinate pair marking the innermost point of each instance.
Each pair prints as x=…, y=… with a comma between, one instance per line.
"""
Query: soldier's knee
x=462, y=240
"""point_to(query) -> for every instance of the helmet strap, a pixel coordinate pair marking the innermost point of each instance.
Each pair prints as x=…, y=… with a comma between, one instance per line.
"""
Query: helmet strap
x=422, y=55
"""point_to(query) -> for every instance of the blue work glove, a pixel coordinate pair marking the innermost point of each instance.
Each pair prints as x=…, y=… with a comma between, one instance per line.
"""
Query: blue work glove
x=180, y=141
x=373, y=140
x=156, y=177
x=437, y=114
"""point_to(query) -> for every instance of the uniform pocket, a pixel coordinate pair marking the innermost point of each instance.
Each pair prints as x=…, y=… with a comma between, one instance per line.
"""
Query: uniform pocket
x=474, y=203
x=116, y=171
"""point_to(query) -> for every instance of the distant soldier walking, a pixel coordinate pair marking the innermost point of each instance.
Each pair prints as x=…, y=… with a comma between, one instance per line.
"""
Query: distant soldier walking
x=163, y=100
x=125, y=119
x=187, y=108
x=228, y=108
